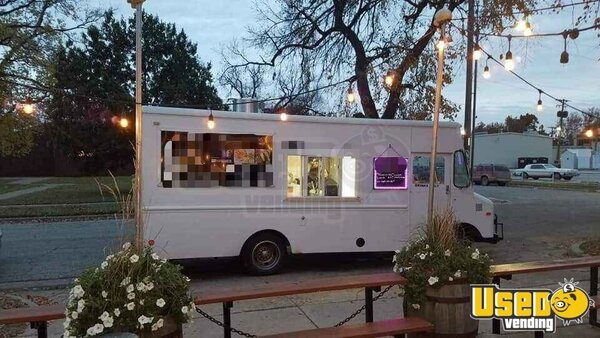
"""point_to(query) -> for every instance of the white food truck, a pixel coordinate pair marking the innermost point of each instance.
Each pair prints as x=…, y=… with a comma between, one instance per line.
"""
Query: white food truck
x=261, y=188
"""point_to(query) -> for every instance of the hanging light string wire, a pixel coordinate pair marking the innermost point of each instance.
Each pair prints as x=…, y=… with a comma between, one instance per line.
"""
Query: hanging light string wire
x=510, y=36
x=536, y=10
x=540, y=90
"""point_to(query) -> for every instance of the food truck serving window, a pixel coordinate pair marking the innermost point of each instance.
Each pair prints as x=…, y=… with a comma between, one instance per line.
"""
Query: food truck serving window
x=317, y=176
x=190, y=160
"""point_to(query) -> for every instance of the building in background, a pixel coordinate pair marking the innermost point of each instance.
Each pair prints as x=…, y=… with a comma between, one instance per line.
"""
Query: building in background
x=507, y=148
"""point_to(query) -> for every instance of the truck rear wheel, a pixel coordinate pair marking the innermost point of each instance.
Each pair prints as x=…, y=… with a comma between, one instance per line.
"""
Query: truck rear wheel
x=525, y=176
x=484, y=180
x=557, y=176
x=264, y=254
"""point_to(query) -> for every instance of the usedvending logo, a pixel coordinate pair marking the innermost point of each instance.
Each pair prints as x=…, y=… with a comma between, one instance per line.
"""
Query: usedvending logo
x=530, y=309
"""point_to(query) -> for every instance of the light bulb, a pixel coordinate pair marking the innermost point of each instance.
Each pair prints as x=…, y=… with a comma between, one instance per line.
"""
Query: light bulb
x=28, y=108
x=283, y=116
x=509, y=64
x=540, y=107
x=589, y=133
x=476, y=53
x=350, y=97
x=389, y=78
x=521, y=25
x=124, y=123
x=486, y=72
x=463, y=132
x=441, y=45
x=211, y=122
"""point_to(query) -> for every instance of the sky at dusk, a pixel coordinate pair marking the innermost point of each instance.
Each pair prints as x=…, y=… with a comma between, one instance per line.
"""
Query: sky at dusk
x=212, y=24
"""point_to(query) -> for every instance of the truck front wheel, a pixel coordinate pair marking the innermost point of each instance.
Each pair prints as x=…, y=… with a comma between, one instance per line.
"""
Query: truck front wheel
x=264, y=254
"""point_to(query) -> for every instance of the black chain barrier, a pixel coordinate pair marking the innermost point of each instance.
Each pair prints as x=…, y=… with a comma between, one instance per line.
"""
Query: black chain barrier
x=219, y=323
x=245, y=334
x=362, y=308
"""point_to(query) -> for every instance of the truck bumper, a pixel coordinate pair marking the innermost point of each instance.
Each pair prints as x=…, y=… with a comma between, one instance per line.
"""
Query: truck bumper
x=498, y=232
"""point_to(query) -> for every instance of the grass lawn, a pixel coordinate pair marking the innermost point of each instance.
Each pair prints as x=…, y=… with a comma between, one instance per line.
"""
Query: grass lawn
x=71, y=191
x=576, y=186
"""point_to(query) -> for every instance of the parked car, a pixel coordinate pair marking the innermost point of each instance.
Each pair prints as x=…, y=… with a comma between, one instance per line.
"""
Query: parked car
x=537, y=171
x=485, y=174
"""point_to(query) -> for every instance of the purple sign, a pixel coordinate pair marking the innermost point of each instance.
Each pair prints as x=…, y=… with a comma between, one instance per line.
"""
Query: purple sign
x=389, y=173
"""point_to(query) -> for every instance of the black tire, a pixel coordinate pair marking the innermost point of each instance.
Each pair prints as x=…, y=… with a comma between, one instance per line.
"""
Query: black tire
x=567, y=178
x=264, y=254
x=525, y=176
x=536, y=178
x=501, y=184
x=485, y=180
x=557, y=176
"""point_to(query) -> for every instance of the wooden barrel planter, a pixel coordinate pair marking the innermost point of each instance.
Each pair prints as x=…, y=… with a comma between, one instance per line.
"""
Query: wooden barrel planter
x=448, y=308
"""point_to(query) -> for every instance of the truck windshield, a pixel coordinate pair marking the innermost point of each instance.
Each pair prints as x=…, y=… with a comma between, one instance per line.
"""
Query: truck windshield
x=461, y=173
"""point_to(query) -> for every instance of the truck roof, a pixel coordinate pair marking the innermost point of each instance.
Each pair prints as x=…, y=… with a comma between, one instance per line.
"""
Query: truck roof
x=291, y=118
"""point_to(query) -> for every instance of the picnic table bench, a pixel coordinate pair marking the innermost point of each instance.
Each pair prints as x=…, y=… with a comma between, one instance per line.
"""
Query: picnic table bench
x=370, y=283
x=506, y=271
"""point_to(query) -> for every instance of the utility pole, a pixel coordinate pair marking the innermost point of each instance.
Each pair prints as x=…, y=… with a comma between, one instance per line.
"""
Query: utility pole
x=139, y=219
x=442, y=17
x=469, y=75
x=561, y=114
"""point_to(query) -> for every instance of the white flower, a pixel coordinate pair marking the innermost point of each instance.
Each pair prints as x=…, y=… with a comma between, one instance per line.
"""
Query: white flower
x=186, y=279
x=144, y=320
x=104, y=294
x=423, y=256
x=154, y=327
x=164, y=260
x=159, y=323
x=109, y=257
x=130, y=288
x=134, y=258
x=131, y=296
x=416, y=306
x=149, y=286
x=78, y=291
x=160, y=302
x=126, y=246
x=104, y=265
x=475, y=254
x=397, y=251
x=108, y=322
x=74, y=314
x=104, y=316
x=91, y=331
x=426, y=246
x=394, y=259
x=433, y=280
x=450, y=279
x=141, y=286
x=130, y=306
x=80, y=305
x=396, y=269
x=155, y=256
x=67, y=322
x=125, y=281
x=98, y=328
x=457, y=274
x=141, y=302
x=447, y=253
x=117, y=312
x=185, y=309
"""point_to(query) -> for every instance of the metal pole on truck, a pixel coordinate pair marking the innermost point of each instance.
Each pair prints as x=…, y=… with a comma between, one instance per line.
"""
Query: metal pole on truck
x=139, y=220
x=441, y=18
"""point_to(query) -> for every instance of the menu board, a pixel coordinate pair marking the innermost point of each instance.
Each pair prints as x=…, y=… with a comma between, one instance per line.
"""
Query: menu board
x=389, y=173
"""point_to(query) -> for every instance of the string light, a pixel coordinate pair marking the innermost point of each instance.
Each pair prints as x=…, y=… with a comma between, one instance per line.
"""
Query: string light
x=589, y=133
x=124, y=123
x=527, y=31
x=520, y=26
x=540, y=107
x=477, y=53
x=486, y=69
x=564, y=56
x=389, y=78
x=283, y=116
x=211, y=121
x=509, y=63
x=350, y=96
x=27, y=107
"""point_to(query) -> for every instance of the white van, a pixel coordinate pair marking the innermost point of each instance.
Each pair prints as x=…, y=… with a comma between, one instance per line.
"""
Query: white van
x=261, y=188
